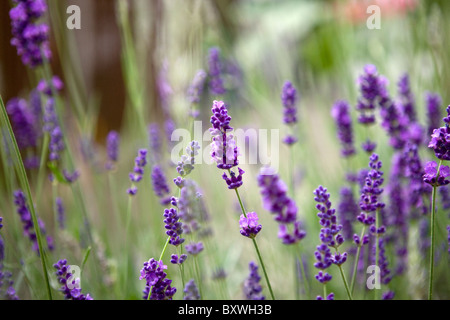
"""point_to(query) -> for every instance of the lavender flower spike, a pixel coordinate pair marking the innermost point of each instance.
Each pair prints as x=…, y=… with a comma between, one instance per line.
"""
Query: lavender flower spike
x=30, y=38
x=196, y=88
x=369, y=94
x=160, y=186
x=440, y=139
x=191, y=291
x=138, y=172
x=343, y=119
x=70, y=286
x=112, y=149
x=431, y=174
x=216, y=86
x=289, y=99
x=252, y=288
x=156, y=281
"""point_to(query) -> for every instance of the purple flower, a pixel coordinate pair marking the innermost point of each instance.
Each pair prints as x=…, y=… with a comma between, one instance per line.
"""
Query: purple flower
x=393, y=121
x=52, y=127
x=289, y=100
x=440, y=140
x=383, y=263
x=343, y=119
x=330, y=233
x=275, y=199
x=249, y=225
x=329, y=297
x=173, y=226
x=252, y=287
x=433, y=107
x=347, y=210
x=388, y=295
x=216, y=86
x=27, y=221
x=61, y=213
x=191, y=291
x=366, y=105
x=233, y=181
x=48, y=88
x=29, y=37
x=156, y=281
x=155, y=142
x=371, y=191
x=139, y=164
x=112, y=149
x=187, y=161
x=160, y=186
x=175, y=259
x=71, y=177
x=23, y=122
x=432, y=176
x=194, y=248
x=70, y=286
x=407, y=102
x=196, y=88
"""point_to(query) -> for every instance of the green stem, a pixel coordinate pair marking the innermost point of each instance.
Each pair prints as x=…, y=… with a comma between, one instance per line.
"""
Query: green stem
x=433, y=218
x=256, y=247
x=344, y=279
x=377, y=246
x=127, y=230
x=355, y=267
x=24, y=182
x=197, y=270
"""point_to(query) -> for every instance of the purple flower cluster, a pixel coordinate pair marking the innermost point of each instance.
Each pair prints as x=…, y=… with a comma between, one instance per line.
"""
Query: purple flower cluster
x=175, y=259
x=138, y=172
x=216, y=85
x=158, y=286
x=194, y=248
x=289, y=100
x=393, y=121
x=383, y=263
x=195, y=90
x=432, y=177
x=61, y=214
x=30, y=38
x=52, y=127
x=440, y=139
x=343, y=119
x=191, y=291
x=347, y=211
x=371, y=191
x=112, y=149
x=433, y=107
x=276, y=200
x=187, y=161
x=49, y=87
x=367, y=102
x=23, y=122
x=252, y=287
x=407, y=101
x=173, y=226
x=5, y=276
x=27, y=221
x=70, y=286
x=160, y=186
x=249, y=225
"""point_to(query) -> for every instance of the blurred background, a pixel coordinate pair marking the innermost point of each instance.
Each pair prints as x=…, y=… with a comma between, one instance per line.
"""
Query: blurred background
x=312, y=43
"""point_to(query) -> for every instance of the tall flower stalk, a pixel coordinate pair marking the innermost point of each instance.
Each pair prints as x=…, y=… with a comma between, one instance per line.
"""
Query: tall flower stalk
x=225, y=153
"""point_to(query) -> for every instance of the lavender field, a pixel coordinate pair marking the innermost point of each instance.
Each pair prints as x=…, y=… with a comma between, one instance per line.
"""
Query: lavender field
x=224, y=150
